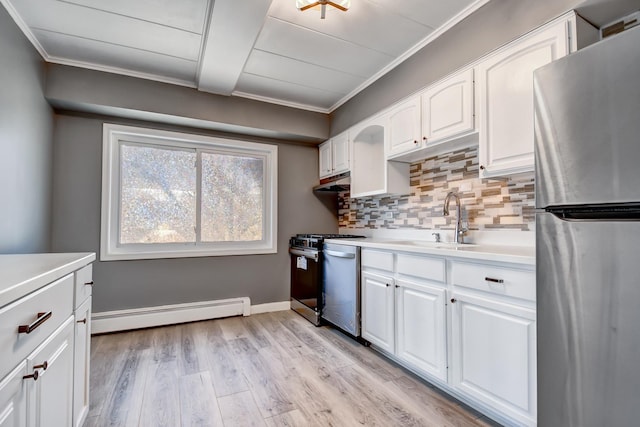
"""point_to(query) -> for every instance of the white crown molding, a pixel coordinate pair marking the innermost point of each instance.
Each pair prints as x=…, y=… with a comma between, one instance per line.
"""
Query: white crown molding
x=407, y=54
x=281, y=102
x=25, y=28
x=121, y=71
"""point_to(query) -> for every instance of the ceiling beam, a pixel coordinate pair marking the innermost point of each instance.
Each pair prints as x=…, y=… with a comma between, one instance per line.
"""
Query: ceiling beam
x=232, y=32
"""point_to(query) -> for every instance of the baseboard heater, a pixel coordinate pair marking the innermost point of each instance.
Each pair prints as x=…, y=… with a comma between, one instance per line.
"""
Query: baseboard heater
x=122, y=320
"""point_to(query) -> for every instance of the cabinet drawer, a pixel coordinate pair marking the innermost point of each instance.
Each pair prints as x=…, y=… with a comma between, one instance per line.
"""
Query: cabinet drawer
x=499, y=280
x=83, y=284
x=56, y=298
x=377, y=259
x=424, y=267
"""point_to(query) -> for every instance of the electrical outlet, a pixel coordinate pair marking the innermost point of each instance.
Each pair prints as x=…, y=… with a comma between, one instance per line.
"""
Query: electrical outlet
x=388, y=215
x=465, y=187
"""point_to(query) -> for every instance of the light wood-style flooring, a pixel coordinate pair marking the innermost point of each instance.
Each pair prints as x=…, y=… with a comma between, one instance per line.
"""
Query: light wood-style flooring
x=273, y=369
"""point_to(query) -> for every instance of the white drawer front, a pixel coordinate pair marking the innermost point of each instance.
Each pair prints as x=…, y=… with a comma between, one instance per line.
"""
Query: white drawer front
x=424, y=267
x=377, y=259
x=499, y=280
x=83, y=284
x=56, y=298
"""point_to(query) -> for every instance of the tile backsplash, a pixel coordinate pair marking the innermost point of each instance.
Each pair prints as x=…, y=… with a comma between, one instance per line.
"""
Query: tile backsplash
x=488, y=204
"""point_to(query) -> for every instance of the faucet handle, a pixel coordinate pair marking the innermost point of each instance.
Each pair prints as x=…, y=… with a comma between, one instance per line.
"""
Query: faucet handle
x=437, y=237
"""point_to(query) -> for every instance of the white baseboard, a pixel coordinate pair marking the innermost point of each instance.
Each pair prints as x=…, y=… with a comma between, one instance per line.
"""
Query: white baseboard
x=271, y=306
x=147, y=317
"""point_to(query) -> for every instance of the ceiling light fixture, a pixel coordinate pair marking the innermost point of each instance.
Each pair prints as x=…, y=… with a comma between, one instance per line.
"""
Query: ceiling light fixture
x=303, y=5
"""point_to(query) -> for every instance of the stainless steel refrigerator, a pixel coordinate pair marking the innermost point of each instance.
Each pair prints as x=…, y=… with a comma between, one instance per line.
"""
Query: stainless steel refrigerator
x=587, y=131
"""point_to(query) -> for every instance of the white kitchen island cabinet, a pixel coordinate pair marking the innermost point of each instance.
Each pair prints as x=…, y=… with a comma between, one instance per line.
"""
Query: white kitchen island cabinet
x=39, y=346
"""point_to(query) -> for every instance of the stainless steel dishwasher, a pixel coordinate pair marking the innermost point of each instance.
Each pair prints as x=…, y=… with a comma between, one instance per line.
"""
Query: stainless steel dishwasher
x=341, y=287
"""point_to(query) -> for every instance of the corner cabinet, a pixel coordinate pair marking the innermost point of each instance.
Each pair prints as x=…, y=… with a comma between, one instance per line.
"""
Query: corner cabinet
x=44, y=371
x=334, y=155
x=505, y=89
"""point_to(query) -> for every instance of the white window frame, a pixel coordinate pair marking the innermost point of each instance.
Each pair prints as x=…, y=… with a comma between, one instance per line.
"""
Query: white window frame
x=115, y=135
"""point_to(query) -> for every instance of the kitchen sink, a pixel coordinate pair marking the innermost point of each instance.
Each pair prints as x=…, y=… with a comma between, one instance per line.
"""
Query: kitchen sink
x=435, y=245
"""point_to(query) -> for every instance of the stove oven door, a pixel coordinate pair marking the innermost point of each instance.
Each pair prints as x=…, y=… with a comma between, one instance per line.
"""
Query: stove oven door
x=306, y=283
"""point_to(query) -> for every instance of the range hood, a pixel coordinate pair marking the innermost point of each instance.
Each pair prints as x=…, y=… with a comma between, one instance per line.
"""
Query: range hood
x=334, y=184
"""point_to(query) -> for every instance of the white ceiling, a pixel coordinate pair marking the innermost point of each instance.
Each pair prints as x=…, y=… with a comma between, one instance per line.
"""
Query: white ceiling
x=260, y=49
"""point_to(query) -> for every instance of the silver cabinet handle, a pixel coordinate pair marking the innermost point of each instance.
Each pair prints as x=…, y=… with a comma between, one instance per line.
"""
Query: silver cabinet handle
x=491, y=279
x=339, y=254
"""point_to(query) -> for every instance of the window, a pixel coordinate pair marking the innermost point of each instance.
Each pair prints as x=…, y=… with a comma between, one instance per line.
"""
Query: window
x=169, y=195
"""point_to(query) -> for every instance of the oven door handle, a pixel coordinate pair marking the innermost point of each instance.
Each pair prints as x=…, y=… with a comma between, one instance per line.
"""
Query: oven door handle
x=339, y=254
x=307, y=254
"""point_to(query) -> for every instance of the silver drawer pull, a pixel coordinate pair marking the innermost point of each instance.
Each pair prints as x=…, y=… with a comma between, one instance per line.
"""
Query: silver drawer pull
x=491, y=279
x=42, y=317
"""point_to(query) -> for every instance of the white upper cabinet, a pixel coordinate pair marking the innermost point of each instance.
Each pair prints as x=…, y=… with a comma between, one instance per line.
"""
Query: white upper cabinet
x=334, y=155
x=426, y=124
x=505, y=82
x=447, y=108
x=340, y=153
x=325, y=167
x=403, y=129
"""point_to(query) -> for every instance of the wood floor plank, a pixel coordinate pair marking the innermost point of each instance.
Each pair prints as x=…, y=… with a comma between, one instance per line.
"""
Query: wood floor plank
x=240, y=410
x=380, y=399
x=289, y=419
x=161, y=403
x=222, y=365
x=361, y=354
x=272, y=369
x=270, y=396
x=198, y=402
x=188, y=359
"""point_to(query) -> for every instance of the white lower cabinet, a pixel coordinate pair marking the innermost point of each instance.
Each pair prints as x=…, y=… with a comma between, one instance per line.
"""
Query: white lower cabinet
x=421, y=327
x=45, y=338
x=51, y=395
x=466, y=324
x=494, y=354
x=13, y=398
x=377, y=310
x=82, y=349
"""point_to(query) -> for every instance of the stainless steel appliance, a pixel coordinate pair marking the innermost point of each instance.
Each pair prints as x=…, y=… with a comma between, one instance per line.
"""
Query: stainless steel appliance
x=587, y=122
x=307, y=273
x=341, y=287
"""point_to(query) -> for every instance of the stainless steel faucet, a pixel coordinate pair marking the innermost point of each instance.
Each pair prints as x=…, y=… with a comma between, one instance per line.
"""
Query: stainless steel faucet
x=458, y=236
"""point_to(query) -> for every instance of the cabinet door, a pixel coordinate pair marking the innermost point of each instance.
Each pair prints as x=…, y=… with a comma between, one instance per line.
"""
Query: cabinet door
x=13, y=397
x=82, y=348
x=51, y=396
x=447, y=108
x=506, y=100
x=403, y=133
x=377, y=310
x=494, y=354
x=340, y=146
x=420, y=320
x=325, y=166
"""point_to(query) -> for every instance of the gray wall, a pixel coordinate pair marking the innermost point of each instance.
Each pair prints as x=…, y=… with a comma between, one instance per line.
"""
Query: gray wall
x=132, y=284
x=493, y=25
x=26, y=122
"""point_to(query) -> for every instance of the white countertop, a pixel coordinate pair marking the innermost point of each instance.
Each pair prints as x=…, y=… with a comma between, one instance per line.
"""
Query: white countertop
x=513, y=254
x=24, y=273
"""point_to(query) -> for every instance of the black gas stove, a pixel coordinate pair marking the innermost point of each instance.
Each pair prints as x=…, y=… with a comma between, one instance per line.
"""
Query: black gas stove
x=314, y=241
